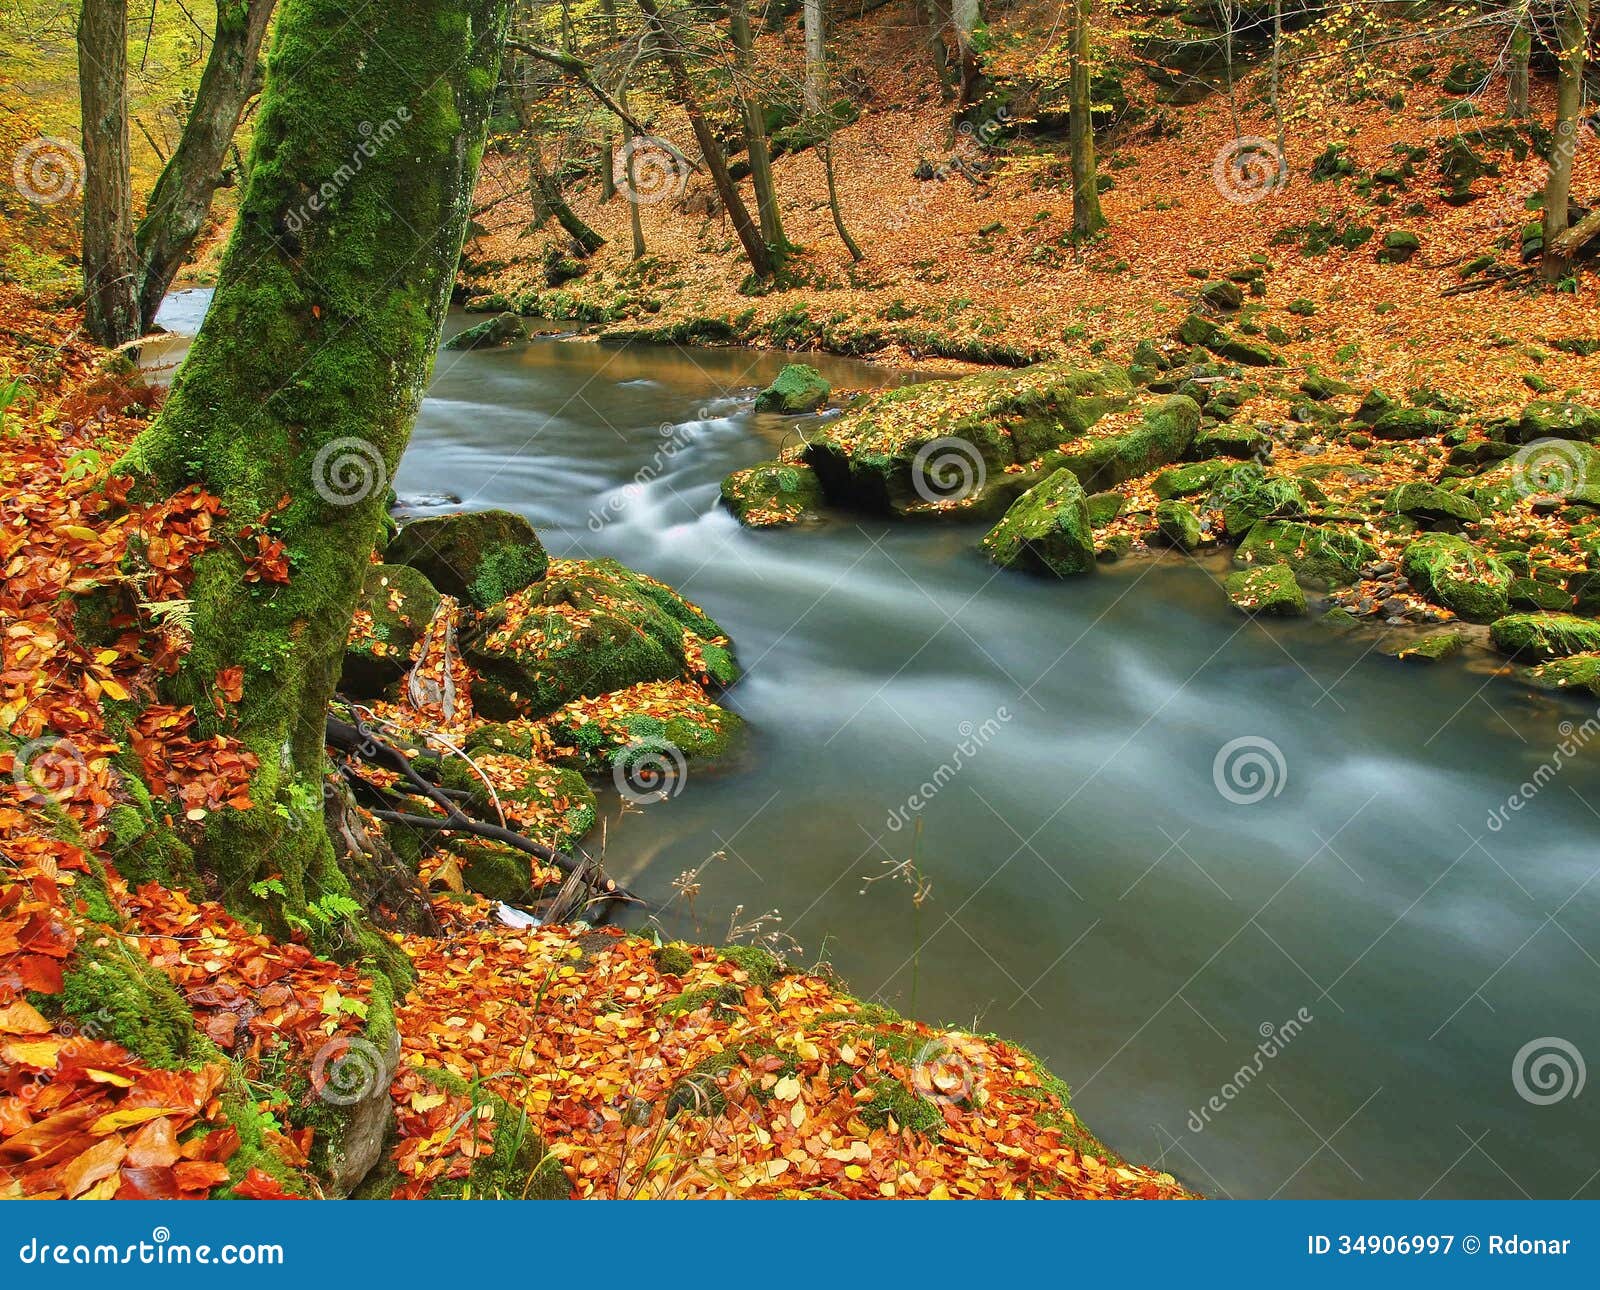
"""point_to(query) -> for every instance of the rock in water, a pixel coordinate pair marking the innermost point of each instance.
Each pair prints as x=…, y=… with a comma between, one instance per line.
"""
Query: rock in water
x=772, y=493
x=1270, y=590
x=502, y=329
x=1047, y=530
x=477, y=556
x=798, y=389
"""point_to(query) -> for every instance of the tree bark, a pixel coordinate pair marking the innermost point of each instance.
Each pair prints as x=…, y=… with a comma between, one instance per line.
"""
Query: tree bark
x=547, y=192
x=1517, y=106
x=182, y=196
x=755, y=130
x=1573, y=29
x=1087, y=217
x=672, y=57
x=298, y=395
x=965, y=17
x=816, y=56
x=110, y=265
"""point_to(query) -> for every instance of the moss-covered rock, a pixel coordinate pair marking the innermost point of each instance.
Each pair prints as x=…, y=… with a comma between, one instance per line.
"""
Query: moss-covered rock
x=1430, y=504
x=1104, y=508
x=1558, y=419
x=1320, y=555
x=1124, y=445
x=944, y=447
x=1247, y=495
x=1555, y=468
x=502, y=329
x=1431, y=648
x=588, y=628
x=1535, y=594
x=1178, y=525
x=800, y=388
x=1047, y=530
x=1412, y=423
x=1575, y=672
x=1229, y=441
x=647, y=731
x=396, y=605
x=1267, y=590
x=1188, y=480
x=1399, y=245
x=773, y=493
x=476, y=556
x=1545, y=636
x=1450, y=571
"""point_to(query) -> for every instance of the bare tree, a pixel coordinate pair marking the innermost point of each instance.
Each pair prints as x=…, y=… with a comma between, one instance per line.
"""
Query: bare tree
x=110, y=265
x=1087, y=217
x=1560, y=243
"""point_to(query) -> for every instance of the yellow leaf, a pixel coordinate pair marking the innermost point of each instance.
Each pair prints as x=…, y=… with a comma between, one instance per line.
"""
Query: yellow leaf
x=40, y=1053
x=113, y=688
x=80, y=532
x=786, y=1089
x=108, y=1077
x=112, y=1121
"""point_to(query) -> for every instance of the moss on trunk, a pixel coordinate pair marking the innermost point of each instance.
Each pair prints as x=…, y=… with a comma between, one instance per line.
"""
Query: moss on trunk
x=299, y=394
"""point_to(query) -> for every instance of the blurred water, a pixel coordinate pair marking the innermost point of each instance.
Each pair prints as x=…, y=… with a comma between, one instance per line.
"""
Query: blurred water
x=1094, y=895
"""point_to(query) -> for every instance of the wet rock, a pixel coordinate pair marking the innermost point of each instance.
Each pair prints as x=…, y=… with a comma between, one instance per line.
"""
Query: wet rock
x=1452, y=572
x=476, y=556
x=1268, y=590
x=772, y=494
x=1178, y=524
x=799, y=389
x=1557, y=419
x=1188, y=480
x=1321, y=555
x=392, y=613
x=1104, y=508
x=1433, y=505
x=502, y=329
x=1545, y=636
x=1047, y=530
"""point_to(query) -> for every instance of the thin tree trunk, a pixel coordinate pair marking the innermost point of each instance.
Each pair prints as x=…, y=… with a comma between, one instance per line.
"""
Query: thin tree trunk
x=756, y=250
x=608, y=159
x=816, y=56
x=547, y=193
x=635, y=223
x=110, y=265
x=965, y=16
x=299, y=393
x=1277, y=83
x=1517, y=106
x=182, y=196
x=937, y=15
x=1573, y=28
x=755, y=132
x=850, y=244
x=1087, y=217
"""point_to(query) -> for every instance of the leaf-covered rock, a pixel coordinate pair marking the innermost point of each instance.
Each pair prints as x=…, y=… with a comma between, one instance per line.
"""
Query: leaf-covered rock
x=476, y=556
x=1047, y=530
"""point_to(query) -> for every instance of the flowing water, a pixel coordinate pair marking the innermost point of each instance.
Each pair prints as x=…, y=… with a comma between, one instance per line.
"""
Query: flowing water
x=1320, y=992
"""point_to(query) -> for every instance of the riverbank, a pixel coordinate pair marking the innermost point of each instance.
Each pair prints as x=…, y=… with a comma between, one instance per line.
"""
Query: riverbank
x=156, y=1044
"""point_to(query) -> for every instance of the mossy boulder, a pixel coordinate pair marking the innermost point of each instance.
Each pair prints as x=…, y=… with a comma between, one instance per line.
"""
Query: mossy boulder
x=1535, y=594
x=1188, y=480
x=1226, y=296
x=800, y=388
x=1320, y=555
x=1229, y=441
x=1178, y=525
x=1450, y=571
x=1104, y=508
x=1557, y=419
x=658, y=728
x=1557, y=468
x=480, y=557
x=1198, y=330
x=771, y=494
x=1246, y=495
x=1270, y=590
x=1398, y=246
x=588, y=628
x=502, y=329
x=949, y=448
x=1046, y=530
x=1125, y=445
x=1575, y=672
x=1431, y=648
x=394, y=610
x=1430, y=504
x=1545, y=636
x=1412, y=423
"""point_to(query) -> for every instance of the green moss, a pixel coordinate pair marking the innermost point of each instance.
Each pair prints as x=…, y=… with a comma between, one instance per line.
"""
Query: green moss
x=519, y=1167
x=893, y=1101
x=772, y=493
x=1452, y=572
x=761, y=966
x=1269, y=590
x=674, y=959
x=1320, y=555
x=115, y=994
x=1545, y=636
x=1046, y=530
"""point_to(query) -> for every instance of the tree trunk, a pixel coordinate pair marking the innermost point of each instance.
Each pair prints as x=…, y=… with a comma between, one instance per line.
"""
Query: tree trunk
x=635, y=223
x=606, y=165
x=755, y=131
x=1573, y=28
x=1277, y=85
x=834, y=209
x=965, y=16
x=299, y=393
x=1087, y=217
x=816, y=56
x=182, y=196
x=547, y=192
x=110, y=272
x=1517, y=106
x=756, y=250
x=937, y=15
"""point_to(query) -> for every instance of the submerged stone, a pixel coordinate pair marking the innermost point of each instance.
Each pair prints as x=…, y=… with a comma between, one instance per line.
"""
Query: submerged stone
x=1430, y=649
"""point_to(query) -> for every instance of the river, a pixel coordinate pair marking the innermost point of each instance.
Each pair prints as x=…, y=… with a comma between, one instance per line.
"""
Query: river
x=1235, y=882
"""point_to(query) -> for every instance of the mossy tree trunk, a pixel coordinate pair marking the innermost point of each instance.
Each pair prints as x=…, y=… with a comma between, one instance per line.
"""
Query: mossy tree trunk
x=299, y=394
x=182, y=196
x=1087, y=217
x=110, y=276
x=1517, y=106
